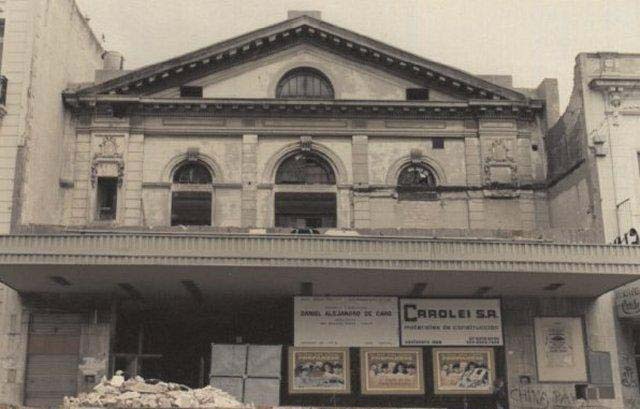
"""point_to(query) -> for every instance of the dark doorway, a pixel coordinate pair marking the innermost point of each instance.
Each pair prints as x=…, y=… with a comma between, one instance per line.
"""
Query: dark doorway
x=300, y=210
x=191, y=209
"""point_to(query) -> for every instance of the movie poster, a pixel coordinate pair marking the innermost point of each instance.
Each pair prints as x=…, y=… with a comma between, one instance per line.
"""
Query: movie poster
x=560, y=349
x=463, y=371
x=391, y=371
x=319, y=370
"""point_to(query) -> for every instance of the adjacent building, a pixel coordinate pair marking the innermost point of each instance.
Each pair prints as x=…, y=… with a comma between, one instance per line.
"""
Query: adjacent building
x=45, y=45
x=208, y=198
x=594, y=162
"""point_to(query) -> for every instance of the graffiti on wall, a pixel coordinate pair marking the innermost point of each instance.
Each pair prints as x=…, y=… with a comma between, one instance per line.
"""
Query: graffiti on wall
x=548, y=396
x=538, y=396
x=628, y=375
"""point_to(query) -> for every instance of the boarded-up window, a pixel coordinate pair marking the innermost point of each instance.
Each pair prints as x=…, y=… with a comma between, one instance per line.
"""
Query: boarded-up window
x=192, y=195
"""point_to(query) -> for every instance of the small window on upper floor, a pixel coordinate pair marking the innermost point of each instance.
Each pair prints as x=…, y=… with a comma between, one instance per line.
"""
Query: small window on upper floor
x=417, y=94
x=417, y=182
x=107, y=200
x=190, y=92
x=437, y=143
x=304, y=83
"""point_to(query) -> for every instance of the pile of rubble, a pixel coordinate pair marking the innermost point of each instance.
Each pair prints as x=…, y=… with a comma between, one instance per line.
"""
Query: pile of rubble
x=138, y=393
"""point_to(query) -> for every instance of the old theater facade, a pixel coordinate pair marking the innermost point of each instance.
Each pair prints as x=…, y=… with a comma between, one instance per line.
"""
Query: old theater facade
x=432, y=268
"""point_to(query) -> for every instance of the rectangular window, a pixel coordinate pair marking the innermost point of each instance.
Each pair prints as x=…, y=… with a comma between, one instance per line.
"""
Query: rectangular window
x=417, y=94
x=191, y=209
x=437, y=143
x=305, y=210
x=107, y=198
x=191, y=92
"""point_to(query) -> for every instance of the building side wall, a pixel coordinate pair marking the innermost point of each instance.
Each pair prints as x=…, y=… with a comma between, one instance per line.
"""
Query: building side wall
x=14, y=323
x=42, y=156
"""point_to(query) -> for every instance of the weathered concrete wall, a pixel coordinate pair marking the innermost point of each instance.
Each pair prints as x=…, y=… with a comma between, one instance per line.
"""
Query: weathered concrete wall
x=64, y=50
x=42, y=38
x=601, y=334
x=14, y=321
x=473, y=161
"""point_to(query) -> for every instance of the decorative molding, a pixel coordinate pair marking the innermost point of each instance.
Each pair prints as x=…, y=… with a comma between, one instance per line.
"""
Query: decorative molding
x=385, y=253
x=193, y=121
x=107, y=160
x=306, y=143
x=324, y=113
x=416, y=124
x=305, y=123
x=498, y=160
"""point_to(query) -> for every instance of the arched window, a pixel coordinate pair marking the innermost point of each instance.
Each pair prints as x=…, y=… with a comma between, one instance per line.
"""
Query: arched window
x=191, y=195
x=192, y=174
x=304, y=83
x=305, y=169
x=416, y=176
x=306, y=192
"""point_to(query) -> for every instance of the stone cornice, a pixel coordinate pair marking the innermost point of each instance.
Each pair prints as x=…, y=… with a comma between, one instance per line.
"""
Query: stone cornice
x=616, y=82
x=386, y=253
x=203, y=107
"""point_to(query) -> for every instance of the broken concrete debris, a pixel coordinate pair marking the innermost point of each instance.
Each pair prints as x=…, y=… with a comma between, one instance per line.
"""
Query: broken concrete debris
x=140, y=393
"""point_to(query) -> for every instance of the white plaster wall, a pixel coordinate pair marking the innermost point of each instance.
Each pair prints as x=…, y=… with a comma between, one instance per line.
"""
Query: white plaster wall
x=64, y=51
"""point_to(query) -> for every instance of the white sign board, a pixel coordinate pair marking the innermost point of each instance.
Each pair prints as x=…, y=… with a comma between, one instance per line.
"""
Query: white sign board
x=453, y=322
x=345, y=322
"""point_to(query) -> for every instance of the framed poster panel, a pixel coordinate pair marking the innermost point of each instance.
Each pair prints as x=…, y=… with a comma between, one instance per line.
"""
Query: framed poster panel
x=560, y=354
x=391, y=371
x=319, y=370
x=463, y=371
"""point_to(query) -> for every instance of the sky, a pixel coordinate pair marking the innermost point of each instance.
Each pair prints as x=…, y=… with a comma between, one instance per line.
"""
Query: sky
x=528, y=39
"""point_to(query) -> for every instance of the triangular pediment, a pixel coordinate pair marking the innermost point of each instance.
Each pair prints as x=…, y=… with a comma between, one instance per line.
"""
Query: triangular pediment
x=382, y=64
x=350, y=80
